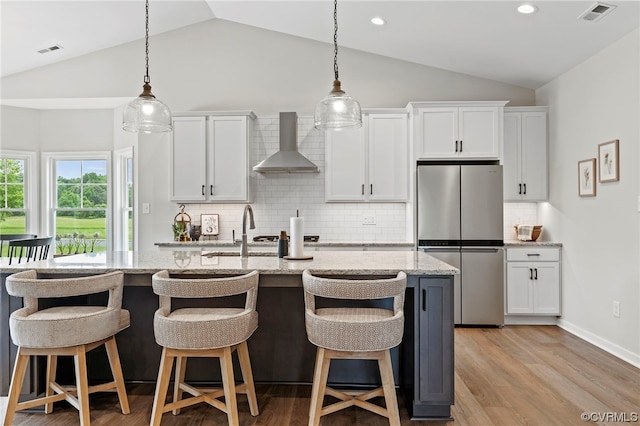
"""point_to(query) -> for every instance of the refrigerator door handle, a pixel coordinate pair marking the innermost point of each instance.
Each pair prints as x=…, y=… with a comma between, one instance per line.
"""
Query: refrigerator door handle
x=440, y=249
x=481, y=249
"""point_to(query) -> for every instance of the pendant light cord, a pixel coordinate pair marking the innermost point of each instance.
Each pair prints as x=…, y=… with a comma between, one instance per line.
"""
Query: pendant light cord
x=146, y=42
x=335, y=38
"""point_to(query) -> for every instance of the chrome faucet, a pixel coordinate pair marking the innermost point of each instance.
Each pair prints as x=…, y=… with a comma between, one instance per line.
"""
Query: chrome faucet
x=244, y=252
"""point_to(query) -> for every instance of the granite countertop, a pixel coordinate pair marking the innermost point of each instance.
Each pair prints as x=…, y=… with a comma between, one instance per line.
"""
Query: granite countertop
x=274, y=244
x=518, y=243
x=190, y=261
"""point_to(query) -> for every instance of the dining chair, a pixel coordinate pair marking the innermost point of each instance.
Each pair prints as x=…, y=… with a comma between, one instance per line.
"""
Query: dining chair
x=9, y=237
x=29, y=249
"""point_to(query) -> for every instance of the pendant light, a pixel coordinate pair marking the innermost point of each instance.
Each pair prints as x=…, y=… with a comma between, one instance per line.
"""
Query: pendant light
x=337, y=110
x=146, y=113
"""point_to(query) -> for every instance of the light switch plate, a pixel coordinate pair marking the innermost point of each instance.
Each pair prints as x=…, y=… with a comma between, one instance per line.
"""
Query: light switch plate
x=146, y=208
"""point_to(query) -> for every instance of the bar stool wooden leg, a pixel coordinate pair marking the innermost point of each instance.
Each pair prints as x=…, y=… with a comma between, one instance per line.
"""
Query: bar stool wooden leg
x=247, y=376
x=229, y=385
x=52, y=365
x=19, y=369
x=82, y=384
x=390, y=398
x=116, y=370
x=181, y=369
x=166, y=363
x=319, y=387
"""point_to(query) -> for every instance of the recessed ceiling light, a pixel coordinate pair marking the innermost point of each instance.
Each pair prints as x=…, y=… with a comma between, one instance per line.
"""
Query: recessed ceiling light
x=527, y=9
x=378, y=21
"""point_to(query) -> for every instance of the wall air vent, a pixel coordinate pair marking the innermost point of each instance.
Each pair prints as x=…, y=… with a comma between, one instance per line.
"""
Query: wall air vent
x=596, y=12
x=50, y=49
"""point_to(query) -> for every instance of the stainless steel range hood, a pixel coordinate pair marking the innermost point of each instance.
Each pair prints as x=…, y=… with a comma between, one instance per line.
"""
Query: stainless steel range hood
x=287, y=159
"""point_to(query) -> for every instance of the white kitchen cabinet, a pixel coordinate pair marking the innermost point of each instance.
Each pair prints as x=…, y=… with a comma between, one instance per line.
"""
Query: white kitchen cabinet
x=370, y=163
x=525, y=154
x=210, y=157
x=533, y=281
x=451, y=130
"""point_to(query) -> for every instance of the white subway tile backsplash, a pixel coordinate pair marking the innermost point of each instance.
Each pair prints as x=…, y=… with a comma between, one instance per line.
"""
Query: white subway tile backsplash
x=278, y=196
x=518, y=214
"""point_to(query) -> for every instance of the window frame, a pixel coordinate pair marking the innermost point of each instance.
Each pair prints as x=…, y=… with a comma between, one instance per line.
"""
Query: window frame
x=120, y=199
x=49, y=183
x=31, y=168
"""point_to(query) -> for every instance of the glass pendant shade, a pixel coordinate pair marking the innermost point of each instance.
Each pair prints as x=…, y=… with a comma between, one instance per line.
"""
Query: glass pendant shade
x=146, y=114
x=338, y=111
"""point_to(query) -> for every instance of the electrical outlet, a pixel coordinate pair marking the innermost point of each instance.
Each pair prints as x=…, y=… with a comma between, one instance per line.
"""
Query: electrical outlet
x=616, y=309
x=369, y=219
x=146, y=208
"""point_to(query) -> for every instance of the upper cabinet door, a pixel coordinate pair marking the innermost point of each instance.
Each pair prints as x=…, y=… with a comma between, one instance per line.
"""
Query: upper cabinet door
x=188, y=160
x=479, y=133
x=345, y=165
x=437, y=132
x=388, y=157
x=228, y=159
x=534, y=155
x=525, y=154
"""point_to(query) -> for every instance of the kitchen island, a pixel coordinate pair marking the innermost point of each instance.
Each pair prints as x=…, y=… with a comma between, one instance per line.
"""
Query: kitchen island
x=280, y=352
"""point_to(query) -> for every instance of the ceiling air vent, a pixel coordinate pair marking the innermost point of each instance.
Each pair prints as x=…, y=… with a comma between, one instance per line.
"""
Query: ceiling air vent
x=596, y=12
x=50, y=49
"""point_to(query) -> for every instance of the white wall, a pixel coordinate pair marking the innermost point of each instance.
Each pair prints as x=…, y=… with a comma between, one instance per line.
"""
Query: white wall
x=596, y=102
x=19, y=128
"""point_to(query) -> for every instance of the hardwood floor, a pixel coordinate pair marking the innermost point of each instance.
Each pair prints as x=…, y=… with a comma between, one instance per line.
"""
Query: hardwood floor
x=518, y=375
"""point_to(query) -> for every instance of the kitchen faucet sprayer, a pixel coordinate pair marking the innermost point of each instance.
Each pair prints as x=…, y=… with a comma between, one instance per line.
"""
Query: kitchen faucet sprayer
x=244, y=252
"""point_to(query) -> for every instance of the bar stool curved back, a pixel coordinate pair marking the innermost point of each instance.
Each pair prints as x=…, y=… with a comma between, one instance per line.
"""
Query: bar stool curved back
x=204, y=332
x=65, y=330
x=354, y=333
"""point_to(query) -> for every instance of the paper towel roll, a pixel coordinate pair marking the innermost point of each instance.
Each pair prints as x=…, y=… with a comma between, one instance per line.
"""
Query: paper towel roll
x=296, y=233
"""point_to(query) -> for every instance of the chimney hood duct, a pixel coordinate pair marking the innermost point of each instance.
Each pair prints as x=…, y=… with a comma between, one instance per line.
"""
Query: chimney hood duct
x=287, y=159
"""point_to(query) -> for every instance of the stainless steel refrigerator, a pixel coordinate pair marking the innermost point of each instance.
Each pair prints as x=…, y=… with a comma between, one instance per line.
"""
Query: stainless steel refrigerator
x=460, y=221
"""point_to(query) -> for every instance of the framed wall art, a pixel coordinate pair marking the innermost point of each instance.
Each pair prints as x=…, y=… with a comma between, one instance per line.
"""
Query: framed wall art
x=587, y=178
x=608, y=161
x=209, y=224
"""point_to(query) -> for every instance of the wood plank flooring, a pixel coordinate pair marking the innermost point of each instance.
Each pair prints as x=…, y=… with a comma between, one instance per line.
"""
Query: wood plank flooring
x=518, y=375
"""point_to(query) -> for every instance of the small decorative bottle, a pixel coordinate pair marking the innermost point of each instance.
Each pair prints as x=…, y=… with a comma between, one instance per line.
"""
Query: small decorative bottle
x=283, y=244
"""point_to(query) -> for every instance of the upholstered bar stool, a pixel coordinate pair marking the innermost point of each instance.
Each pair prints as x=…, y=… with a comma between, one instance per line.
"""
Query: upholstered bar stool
x=204, y=332
x=65, y=330
x=354, y=333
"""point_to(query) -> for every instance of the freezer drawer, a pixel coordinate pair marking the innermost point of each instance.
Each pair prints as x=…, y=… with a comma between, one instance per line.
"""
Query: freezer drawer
x=482, y=286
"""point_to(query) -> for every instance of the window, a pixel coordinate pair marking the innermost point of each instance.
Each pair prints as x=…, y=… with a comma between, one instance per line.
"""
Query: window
x=17, y=192
x=124, y=217
x=79, y=202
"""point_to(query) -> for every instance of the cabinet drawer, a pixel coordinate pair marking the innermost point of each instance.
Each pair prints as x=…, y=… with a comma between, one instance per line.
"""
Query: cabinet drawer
x=533, y=254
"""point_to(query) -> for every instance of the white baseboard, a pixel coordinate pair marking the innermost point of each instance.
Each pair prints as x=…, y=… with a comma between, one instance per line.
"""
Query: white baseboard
x=530, y=320
x=612, y=348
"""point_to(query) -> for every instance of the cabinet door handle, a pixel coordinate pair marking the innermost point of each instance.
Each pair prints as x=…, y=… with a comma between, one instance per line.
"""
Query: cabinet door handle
x=530, y=273
x=211, y=190
x=363, y=189
x=456, y=146
x=519, y=189
x=536, y=275
x=525, y=188
x=460, y=146
x=424, y=299
x=203, y=190
x=371, y=190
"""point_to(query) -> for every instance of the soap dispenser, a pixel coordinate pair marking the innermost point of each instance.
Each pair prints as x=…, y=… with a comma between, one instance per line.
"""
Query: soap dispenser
x=283, y=244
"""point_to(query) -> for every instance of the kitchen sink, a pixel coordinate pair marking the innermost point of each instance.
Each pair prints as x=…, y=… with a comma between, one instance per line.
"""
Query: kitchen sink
x=237, y=253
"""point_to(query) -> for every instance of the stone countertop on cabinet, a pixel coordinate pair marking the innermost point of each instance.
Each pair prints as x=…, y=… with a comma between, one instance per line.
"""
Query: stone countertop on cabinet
x=219, y=263
x=518, y=243
x=274, y=244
